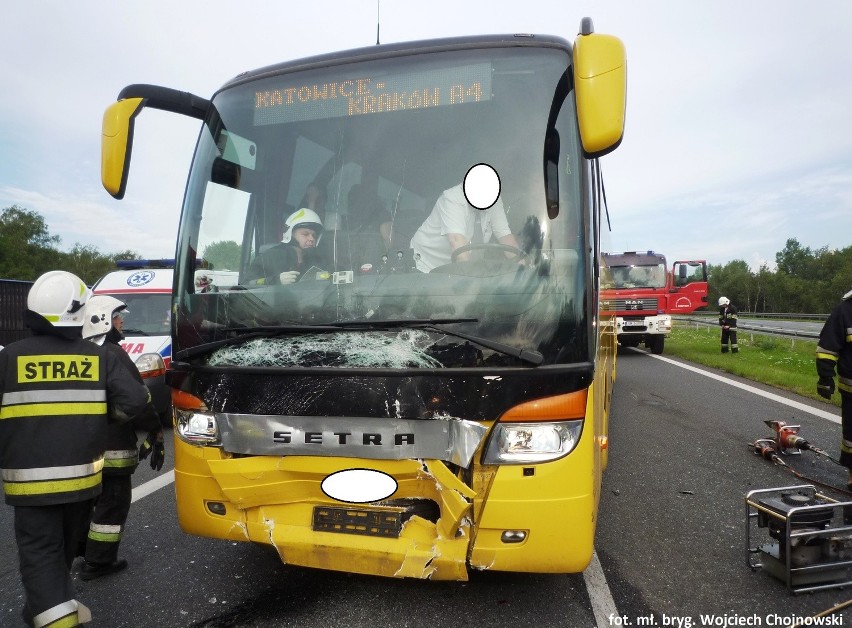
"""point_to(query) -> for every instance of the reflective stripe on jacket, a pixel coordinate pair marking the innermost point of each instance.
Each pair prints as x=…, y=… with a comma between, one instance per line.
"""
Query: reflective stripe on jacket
x=121, y=461
x=728, y=316
x=53, y=417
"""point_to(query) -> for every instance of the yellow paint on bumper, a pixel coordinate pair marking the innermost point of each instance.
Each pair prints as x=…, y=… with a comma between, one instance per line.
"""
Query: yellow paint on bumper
x=271, y=500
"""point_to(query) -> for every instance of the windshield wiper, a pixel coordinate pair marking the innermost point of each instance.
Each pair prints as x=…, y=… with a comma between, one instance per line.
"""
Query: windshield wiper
x=134, y=332
x=436, y=324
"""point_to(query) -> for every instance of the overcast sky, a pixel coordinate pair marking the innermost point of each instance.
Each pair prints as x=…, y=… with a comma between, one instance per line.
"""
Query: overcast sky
x=738, y=131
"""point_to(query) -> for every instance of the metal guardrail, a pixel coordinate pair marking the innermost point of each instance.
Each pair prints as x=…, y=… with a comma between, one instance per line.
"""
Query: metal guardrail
x=785, y=315
x=756, y=329
x=782, y=315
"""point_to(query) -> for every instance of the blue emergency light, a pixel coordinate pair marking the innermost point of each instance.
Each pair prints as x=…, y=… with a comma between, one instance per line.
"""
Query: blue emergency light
x=133, y=264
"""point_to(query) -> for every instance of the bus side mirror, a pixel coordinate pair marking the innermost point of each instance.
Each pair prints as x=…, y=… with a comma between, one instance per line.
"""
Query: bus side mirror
x=600, y=81
x=117, y=143
x=117, y=129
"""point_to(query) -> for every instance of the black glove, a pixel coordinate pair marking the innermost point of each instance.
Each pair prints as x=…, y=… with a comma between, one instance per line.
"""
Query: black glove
x=154, y=446
x=825, y=387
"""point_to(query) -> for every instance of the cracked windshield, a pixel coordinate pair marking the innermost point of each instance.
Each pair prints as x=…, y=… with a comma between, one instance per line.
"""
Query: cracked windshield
x=334, y=220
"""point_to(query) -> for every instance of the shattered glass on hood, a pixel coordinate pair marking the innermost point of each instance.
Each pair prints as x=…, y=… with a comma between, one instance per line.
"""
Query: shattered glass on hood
x=405, y=349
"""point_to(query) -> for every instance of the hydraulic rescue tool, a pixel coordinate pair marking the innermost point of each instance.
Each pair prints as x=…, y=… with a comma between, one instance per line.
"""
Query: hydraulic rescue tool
x=787, y=440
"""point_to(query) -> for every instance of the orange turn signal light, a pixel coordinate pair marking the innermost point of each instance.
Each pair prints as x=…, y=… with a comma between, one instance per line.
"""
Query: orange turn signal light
x=567, y=407
x=185, y=401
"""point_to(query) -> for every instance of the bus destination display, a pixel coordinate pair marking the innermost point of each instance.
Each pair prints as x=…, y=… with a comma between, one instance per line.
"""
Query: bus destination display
x=361, y=95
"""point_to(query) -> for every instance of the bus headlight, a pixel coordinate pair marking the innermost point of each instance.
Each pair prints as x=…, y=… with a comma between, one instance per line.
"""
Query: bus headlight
x=150, y=365
x=529, y=443
x=197, y=428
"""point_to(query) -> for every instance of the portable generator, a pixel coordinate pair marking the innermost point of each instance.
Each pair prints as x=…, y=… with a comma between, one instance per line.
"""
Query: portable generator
x=799, y=536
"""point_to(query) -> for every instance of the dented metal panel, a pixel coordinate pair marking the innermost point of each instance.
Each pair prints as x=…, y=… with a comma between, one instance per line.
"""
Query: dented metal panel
x=443, y=438
x=277, y=498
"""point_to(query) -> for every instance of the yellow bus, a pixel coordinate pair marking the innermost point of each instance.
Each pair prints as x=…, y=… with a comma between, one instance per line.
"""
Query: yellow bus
x=394, y=403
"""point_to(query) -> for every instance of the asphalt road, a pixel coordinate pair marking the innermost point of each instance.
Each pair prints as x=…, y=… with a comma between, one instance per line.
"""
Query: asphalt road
x=671, y=537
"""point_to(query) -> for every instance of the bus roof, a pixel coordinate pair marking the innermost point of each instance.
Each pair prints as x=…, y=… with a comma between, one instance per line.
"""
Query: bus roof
x=401, y=49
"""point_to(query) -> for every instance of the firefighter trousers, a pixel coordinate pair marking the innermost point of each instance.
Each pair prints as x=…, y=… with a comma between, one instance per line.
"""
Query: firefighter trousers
x=108, y=519
x=729, y=334
x=846, y=421
x=48, y=538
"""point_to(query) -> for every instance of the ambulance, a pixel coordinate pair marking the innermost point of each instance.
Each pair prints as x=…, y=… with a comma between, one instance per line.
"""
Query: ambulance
x=146, y=287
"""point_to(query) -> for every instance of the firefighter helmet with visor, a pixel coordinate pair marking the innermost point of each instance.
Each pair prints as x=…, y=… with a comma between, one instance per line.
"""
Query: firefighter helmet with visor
x=302, y=218
x=59, y=297
x=99, y=312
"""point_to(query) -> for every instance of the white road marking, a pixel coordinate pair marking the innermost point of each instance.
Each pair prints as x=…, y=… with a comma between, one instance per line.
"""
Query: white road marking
x=834, y=418
x=603, y=606
x=161, y=481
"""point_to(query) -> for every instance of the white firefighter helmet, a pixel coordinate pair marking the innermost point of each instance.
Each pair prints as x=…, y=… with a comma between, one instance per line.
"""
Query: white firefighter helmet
x=59, y=297
x=98, y=315
x=724, y=301
x=302, y=218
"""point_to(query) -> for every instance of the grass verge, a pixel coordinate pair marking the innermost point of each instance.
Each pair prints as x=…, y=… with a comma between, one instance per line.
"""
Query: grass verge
x=785, y=363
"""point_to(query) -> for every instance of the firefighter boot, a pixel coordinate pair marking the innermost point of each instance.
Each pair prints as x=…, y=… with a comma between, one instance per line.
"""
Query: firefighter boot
x=90, y=571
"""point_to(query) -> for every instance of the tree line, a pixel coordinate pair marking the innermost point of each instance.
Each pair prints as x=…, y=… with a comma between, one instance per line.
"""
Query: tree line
x=804, y=281
x=27, y=249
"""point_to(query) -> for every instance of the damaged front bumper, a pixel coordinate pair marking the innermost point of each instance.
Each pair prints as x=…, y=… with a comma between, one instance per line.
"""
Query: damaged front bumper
x=278, y=501
x=536, y=518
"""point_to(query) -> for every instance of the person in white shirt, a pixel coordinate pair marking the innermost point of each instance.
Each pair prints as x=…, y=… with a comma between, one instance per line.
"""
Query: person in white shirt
x=452, y=224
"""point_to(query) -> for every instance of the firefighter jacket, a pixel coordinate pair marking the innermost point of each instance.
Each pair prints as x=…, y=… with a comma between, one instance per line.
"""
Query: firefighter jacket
x=53, y=417
x=122, y=456
x=834, y=349
x=728, y=316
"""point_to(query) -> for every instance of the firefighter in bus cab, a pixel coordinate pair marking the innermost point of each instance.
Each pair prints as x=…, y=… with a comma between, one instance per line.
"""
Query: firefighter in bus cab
x=283, y=263
x=728, y=322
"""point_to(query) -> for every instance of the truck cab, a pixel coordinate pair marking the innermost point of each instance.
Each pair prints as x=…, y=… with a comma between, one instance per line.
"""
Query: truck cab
x=643, y=294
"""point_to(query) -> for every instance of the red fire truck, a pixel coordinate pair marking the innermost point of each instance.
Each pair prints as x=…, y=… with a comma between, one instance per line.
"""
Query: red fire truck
x=638, y=287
